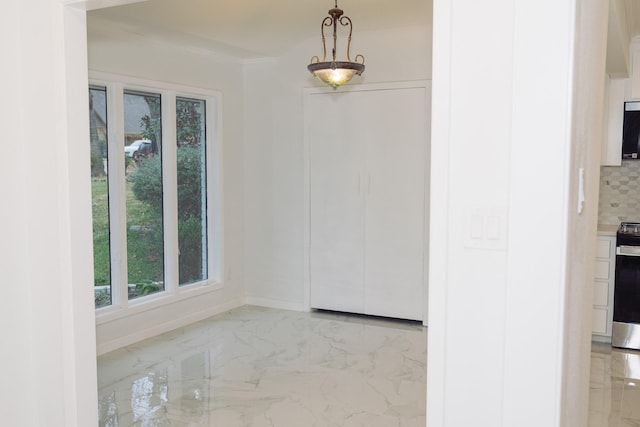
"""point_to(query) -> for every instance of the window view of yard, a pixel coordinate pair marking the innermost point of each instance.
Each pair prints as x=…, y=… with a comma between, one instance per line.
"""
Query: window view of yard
x=100, y=195
x=143, y=266
x=143, y=198
x=192, y=195
x=143, y=181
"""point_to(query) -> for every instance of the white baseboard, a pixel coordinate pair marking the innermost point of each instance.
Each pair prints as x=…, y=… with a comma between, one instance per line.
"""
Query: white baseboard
x=601, y=339
x=160, y=328
x=275, y=303
x=166, y=326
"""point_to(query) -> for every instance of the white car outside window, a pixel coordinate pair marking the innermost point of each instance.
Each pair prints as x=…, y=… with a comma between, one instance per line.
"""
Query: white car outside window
x=131, y=149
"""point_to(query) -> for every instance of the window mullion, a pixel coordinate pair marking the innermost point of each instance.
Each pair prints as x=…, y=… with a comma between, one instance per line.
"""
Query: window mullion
x=214, y=190
x=170, y=196
x=117, y=195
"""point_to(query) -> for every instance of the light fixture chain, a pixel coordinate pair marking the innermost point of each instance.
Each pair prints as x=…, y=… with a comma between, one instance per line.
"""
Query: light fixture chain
x=335, y=35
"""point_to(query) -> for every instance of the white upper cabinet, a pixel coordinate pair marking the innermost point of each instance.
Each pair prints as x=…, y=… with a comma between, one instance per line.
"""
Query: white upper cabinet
x=611, y=154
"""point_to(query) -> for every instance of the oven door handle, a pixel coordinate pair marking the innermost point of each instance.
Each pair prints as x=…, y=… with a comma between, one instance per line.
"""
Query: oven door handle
x=628, y=250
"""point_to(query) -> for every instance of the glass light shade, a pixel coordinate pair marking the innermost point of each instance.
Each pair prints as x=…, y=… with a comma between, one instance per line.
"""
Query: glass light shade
x=335, y=73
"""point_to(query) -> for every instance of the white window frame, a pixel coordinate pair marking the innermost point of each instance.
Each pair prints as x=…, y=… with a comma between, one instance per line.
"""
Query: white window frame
x=115, y=86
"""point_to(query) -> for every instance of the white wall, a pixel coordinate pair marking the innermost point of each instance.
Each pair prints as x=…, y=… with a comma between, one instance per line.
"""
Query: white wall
x=46, y=314
x=513, y=115
x=274, y=152
x=127, y=54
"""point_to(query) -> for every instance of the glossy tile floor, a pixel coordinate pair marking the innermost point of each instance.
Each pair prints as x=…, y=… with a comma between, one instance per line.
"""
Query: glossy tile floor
x=614, y=399
x=262, y=367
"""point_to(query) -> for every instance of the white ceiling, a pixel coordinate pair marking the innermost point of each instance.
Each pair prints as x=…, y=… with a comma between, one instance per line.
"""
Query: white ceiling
x=249, y=29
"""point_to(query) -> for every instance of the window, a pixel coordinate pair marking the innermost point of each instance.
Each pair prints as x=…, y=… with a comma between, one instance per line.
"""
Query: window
x=155, y=205
x=144, y=193
x=192, y=194
x=100, y=195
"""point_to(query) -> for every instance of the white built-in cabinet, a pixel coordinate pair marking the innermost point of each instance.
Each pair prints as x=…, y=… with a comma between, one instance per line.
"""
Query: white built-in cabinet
x=367, y=158
x=611, y=153
x=603, y=287
x=617, y=91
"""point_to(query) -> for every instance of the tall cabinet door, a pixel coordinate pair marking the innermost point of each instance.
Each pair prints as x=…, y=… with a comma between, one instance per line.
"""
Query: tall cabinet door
x=366, y=170
x=336, y=247
x=394, y=209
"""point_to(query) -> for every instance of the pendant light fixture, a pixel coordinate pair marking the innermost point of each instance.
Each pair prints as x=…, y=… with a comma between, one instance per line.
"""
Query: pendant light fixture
x=336, y=73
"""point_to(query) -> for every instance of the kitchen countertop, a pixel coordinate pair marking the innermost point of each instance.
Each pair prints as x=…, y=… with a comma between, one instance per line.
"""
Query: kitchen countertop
x=607, y=229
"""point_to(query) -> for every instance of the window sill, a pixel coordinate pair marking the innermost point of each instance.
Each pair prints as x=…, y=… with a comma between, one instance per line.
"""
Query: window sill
x=151, y=302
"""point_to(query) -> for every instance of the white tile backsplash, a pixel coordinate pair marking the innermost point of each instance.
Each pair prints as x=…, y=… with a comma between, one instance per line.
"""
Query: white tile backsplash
x=619, y=193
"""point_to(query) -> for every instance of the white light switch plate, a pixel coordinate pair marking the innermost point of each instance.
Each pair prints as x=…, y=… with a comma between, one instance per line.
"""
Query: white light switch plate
x=486, y=228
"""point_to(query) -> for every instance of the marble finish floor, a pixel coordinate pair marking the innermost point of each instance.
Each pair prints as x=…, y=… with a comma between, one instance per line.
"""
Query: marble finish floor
x=262, y=367
x=614, y=399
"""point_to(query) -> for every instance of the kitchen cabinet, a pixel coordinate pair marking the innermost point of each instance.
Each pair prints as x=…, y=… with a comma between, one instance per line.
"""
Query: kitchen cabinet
x=611, y=152
x=603, y=286
x=367, y=201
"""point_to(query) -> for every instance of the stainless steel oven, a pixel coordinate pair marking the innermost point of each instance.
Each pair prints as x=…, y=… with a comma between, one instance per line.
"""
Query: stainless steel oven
x=626, y=296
